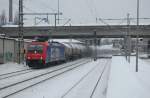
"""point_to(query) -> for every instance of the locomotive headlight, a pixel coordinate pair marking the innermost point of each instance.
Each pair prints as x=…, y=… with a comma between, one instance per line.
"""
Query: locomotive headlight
x=29, y=57
x=41, y=57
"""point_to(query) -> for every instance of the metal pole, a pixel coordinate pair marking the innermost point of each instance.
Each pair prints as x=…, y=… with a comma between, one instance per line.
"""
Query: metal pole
x=95, y=43
x=3, y=49
x=55, y=19
x=125, y=45
x=47, y=19
x=96, y=20
x=10, y=11
x=137, y=36
x=35, y=21
x=58, y=11
x=128, y=36
x=20, y=43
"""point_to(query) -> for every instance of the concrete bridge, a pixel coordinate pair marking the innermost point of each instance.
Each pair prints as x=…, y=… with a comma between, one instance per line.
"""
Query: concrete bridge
x=113, y=31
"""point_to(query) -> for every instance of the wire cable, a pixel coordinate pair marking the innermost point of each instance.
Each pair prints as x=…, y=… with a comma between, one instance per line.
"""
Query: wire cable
x=46, y=6
x=90, y=8
x=15, y=2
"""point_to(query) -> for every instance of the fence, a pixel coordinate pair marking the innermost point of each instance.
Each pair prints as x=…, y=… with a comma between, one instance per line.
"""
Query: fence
x=9, y=50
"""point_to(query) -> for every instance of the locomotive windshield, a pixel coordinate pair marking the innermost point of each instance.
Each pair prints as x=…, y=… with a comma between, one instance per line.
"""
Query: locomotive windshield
x=35, y=48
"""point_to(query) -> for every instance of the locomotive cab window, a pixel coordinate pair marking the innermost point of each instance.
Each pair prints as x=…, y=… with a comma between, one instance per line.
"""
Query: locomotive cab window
x=35, y=48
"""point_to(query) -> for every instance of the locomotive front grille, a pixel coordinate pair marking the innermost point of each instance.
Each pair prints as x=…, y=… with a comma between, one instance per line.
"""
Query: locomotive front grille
x=35, y=63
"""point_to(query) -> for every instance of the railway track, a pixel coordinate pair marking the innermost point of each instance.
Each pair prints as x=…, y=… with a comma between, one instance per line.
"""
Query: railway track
x=13, y=88
x=13, y=74
x=16, y=73
x=5, y=74
x=98, y=81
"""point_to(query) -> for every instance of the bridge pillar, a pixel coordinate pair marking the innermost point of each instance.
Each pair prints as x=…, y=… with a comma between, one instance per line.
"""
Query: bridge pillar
x=98, y=42
x=128, y=47
x=91, y=42
x=95, y=45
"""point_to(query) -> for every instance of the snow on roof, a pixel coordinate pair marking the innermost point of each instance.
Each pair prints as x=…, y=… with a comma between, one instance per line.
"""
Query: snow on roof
x=9, y=25
x=2, y=37
x=16, y=39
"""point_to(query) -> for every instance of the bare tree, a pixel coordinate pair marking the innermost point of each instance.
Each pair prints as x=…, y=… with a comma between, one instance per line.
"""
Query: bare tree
x=3, y=18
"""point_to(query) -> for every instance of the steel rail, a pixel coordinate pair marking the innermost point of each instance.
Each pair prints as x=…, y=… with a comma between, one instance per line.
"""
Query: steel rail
x=99, y=79
x=78, y=82
x=41, y=81
x=14, y=72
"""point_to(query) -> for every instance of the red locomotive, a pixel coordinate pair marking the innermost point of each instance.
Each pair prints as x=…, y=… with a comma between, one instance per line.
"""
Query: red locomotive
x=40, y=54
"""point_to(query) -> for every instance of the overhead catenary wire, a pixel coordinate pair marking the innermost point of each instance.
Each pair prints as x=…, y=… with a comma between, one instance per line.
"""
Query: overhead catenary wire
x=29, y=10
x=67, y=22
x=42, y=3
x=88, y=3
x=123, y=20
x=26, y=8
x=93, y=7
x=47, y=6
x=102, y=20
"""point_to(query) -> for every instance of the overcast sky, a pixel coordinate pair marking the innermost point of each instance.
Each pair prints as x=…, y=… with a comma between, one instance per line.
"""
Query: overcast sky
x=83, y=11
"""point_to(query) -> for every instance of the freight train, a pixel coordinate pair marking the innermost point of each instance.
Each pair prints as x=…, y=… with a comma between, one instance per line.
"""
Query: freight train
x=42, y=54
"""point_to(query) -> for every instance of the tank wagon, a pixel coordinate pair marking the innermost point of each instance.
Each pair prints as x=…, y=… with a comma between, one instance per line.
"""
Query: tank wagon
x=41, y=54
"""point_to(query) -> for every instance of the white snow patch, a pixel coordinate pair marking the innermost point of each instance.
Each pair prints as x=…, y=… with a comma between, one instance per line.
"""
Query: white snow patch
x=56, y=87
x=124, y=82
x=11, y=67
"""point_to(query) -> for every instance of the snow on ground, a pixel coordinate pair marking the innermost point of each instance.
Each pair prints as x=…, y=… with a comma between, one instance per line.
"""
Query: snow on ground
x=143, y=72
x=101, y=90
x=11, y=67
x=85, y=87
x=58, y=86
x=124, y=82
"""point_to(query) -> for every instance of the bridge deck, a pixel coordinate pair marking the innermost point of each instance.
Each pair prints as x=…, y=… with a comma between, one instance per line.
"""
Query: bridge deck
x=114, y=31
